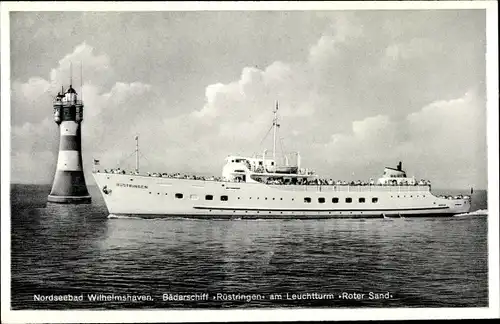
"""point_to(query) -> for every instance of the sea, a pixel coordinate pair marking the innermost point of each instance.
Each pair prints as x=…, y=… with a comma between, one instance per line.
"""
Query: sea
x=80, y=257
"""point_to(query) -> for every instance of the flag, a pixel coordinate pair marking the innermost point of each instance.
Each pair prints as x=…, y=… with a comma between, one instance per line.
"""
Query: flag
x=96, y=162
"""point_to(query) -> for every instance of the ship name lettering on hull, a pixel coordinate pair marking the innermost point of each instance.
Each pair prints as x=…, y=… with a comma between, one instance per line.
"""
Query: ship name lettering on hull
x=131, y=185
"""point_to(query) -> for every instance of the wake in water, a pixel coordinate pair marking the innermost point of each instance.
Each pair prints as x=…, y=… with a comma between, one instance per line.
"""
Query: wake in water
x=479, y=212
x=122, y=216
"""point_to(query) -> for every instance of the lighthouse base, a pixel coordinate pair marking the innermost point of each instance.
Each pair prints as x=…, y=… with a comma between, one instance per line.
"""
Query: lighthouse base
x=69, y=199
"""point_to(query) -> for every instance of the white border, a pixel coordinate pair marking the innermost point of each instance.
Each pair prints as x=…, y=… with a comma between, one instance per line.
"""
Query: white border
x=126, y=316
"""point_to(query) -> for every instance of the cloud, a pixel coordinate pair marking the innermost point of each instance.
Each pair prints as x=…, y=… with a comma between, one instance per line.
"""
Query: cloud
x=440, y=136
x=363, y=93
x=34, y=133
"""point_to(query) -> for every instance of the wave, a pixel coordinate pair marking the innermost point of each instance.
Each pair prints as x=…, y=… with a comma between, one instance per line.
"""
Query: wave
x=479, y=212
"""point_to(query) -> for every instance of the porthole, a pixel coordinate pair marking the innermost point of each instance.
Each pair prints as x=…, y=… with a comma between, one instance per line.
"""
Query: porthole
x=224, y=198
x=209, y=197
x=321, y=200
x=361, y=200
x=307, y=200
x=335, y=200
x=374, y=200
x=179, y=195
x=348, y=200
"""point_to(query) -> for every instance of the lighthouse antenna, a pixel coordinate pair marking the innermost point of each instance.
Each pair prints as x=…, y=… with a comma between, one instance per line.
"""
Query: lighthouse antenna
x=81, y=80
x=70, y=73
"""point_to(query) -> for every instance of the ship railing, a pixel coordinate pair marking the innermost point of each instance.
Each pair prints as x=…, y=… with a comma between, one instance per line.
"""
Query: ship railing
x=353, y=188
x=297, y=187
x=68, y=102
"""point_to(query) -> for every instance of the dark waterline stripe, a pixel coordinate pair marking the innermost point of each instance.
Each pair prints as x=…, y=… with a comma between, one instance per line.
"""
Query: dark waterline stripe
x=266, y=217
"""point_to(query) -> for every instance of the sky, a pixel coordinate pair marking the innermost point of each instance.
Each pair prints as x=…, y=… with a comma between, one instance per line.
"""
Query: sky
x=357, y=90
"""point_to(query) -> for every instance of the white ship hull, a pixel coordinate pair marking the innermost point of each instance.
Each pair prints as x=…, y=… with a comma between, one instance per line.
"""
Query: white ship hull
x=148, y=196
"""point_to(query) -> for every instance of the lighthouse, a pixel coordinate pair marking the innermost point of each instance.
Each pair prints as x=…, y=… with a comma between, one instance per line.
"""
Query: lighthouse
x=69, y=181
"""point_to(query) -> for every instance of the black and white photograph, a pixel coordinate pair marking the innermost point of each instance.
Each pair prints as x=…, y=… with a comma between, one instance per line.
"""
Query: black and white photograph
x=249, y=161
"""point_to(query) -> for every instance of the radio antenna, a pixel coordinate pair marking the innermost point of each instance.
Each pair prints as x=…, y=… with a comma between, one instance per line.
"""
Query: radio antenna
x=81, y=80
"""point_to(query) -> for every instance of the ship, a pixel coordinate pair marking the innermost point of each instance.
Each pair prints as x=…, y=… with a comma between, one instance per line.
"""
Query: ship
x=258, y=187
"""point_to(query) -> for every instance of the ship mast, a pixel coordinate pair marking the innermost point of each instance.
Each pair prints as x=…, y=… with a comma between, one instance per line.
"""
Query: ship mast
x=137, y=153
x=275, y=125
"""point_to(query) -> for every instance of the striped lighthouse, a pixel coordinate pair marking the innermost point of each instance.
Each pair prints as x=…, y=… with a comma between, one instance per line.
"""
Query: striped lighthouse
x=69, y=182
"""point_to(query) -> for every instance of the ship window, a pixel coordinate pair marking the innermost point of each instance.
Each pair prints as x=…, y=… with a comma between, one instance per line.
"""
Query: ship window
x=335, y=200
x=193, y=197
x=348, y=200
x=260, y=162
x=223, y=198
x=321, y=200
x=374, y=200
x=307, y=199
x=179, y=195
x=209, y=197
x=361, y=200
x=272, y=163
x=266, y=198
